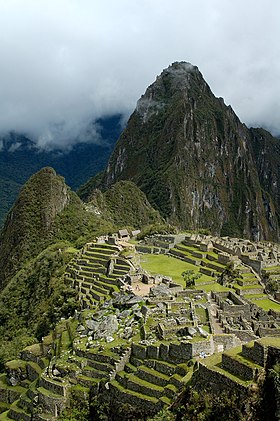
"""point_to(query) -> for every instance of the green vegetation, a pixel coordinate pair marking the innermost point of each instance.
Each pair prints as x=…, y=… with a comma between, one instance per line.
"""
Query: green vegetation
x=156, y=229
x=34, y=300
x=127, y=205
x=168, y=266
x=74, y=223
x=76, y=165
x=79, y=409
x=190, y=277
x=50, y=219
x=209, y=406
x=230, y=275
x=266, y=304
x=172, y=162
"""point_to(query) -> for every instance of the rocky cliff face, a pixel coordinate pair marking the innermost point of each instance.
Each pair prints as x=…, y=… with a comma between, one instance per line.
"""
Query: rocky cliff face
x=196, y=162
x=266, y=154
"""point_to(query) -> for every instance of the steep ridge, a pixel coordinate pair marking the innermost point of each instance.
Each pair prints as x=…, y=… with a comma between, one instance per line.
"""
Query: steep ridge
x=47, y=211
x=30, y=221
x=266, y=154
x=194, y=159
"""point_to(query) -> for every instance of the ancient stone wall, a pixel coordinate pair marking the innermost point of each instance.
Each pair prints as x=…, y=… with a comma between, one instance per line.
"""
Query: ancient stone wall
x=206, y=378
x=121, y=364
x=257, y=265
x=273, y=356
x=235, y=367
x=224, y=342
x=266, y=331
x=256, y=353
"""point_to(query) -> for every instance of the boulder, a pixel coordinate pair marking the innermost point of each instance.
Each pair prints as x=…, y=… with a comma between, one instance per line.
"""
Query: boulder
x=161, y=290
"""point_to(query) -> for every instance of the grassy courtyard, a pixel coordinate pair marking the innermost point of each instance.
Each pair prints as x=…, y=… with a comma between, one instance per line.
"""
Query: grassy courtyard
x=172, y=267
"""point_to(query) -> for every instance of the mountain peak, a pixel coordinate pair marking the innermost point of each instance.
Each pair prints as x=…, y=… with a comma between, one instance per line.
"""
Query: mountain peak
x=176, y=80
x=193, y=158
x=29, y=223
x=180, y=68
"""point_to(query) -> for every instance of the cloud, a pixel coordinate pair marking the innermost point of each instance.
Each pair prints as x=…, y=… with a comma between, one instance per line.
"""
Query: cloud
x=66, y=63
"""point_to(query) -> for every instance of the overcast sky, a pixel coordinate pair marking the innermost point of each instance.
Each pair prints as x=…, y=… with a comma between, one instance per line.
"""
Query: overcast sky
x=66, y=62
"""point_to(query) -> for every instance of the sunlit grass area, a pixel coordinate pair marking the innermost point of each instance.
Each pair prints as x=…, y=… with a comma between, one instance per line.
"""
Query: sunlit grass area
x=267, y=304
x=214, y=287
x=167, y=265
x=172, y=267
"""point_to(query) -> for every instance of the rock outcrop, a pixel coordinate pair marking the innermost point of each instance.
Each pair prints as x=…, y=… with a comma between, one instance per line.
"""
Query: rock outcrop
x=196, y=162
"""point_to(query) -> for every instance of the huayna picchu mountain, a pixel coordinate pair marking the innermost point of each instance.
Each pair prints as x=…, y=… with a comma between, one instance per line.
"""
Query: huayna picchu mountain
x=196, y=162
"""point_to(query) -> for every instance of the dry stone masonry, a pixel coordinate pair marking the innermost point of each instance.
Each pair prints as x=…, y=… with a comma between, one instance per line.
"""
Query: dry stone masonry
x=123, y=347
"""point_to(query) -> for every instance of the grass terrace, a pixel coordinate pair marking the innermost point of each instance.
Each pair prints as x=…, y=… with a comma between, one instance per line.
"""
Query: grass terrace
x=275, y=269
x=173, y=267
x=169, y=266
x=266, y=304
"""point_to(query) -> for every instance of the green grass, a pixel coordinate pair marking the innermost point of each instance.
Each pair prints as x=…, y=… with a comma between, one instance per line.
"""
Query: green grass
x=16, y=364
x=214, y=263
x=267, y=304
x=132, y=393
x=249, y=275
x=4, y=416
x=71, y=250
x=206, y=328
x=214, y=287
x=252, y=296
x=236, y=354
x=202, y=314
x=272, y=268
x=247, y=287
x=213, y=362
x=169, y=266
x=270, y=341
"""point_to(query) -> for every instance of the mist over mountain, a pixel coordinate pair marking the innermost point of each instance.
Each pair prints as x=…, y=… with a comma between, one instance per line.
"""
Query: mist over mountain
x=20, y=157
x=88, y=327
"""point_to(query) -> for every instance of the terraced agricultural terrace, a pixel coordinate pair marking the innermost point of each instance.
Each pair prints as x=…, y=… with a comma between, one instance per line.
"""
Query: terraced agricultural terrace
x=141, y=336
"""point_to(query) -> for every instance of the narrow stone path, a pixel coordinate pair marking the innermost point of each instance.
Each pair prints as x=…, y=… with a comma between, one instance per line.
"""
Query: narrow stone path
x=218, y=329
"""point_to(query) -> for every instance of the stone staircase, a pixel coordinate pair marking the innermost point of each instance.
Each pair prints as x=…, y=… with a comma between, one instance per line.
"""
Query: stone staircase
x=95, y=273
x=248, y=285
x=148, y=382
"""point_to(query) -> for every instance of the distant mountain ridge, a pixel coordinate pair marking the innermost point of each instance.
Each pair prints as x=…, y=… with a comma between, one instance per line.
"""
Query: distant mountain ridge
x=196, y=162
x=20, y=158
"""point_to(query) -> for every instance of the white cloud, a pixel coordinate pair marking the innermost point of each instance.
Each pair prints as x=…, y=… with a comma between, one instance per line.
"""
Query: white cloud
x=66, y=62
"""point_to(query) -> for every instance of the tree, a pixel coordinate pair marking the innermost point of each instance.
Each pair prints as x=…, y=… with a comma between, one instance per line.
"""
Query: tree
x=190, y=277
x=229, y=275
